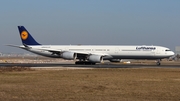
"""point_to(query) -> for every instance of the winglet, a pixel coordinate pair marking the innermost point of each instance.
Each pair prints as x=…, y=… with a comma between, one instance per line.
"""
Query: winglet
x=26, y=37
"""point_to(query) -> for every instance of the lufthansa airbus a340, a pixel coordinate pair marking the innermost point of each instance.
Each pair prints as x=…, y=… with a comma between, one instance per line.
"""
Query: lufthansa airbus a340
x=92, y=54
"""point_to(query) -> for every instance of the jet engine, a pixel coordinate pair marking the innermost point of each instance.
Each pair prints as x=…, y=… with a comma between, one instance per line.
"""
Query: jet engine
x=95, y=58
x=69, y=55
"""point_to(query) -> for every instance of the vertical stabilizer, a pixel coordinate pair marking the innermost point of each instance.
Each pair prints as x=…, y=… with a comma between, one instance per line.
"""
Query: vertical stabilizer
x=26, y=37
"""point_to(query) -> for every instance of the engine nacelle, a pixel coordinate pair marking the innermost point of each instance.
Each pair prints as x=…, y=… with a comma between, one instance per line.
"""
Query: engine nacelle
x=69, y=55
x=95, y=58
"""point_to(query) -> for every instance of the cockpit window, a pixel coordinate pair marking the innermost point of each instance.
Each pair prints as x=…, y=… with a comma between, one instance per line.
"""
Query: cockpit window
x=167, y=50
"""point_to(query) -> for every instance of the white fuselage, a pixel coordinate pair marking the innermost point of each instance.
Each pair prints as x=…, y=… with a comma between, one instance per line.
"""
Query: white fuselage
x=107, y=51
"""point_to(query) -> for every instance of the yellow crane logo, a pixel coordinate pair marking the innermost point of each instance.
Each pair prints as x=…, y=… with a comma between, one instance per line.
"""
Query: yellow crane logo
x=24, y=35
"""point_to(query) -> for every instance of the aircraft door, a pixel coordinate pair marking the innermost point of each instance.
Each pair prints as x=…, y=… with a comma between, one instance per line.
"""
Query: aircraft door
x=157, y=52
x=153, y=52
x=117, y=50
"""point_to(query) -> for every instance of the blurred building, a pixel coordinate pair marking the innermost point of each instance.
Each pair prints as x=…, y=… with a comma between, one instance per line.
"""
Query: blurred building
x=177, y=50
x=177, y=53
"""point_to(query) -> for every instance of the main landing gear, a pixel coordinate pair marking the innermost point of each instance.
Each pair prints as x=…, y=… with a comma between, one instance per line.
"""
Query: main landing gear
x=158, y=63
x=84, y=63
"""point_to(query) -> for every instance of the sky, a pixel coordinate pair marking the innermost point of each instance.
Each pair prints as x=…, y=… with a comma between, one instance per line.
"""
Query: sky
x=91, y=22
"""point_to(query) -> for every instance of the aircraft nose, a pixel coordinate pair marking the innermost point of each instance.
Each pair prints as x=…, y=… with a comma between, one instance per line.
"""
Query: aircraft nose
x=172, y=53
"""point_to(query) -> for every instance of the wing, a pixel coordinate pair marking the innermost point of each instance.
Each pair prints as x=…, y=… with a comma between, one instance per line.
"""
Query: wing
x=79, y=53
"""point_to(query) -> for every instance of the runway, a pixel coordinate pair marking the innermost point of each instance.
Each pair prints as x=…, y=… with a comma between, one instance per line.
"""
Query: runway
x=106, y=65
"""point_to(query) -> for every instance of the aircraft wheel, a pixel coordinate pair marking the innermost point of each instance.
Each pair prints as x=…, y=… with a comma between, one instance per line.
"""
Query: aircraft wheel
x=84, y=63
x=158, y=63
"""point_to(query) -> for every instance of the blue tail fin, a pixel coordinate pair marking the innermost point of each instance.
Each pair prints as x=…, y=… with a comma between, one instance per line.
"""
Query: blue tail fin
x=26, y=37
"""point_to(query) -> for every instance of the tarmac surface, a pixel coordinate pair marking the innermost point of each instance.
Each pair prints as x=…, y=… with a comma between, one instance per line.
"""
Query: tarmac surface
x=42, y=62
x=105, y=65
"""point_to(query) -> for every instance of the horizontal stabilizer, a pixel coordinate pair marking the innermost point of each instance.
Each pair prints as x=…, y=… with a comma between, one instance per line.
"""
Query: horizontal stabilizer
x=17, y=46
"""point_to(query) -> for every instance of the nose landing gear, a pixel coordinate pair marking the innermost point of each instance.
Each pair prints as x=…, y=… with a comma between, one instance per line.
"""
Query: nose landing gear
x=158, y=63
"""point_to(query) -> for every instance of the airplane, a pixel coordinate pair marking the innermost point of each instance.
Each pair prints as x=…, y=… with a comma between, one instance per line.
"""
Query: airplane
x=92, y=54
